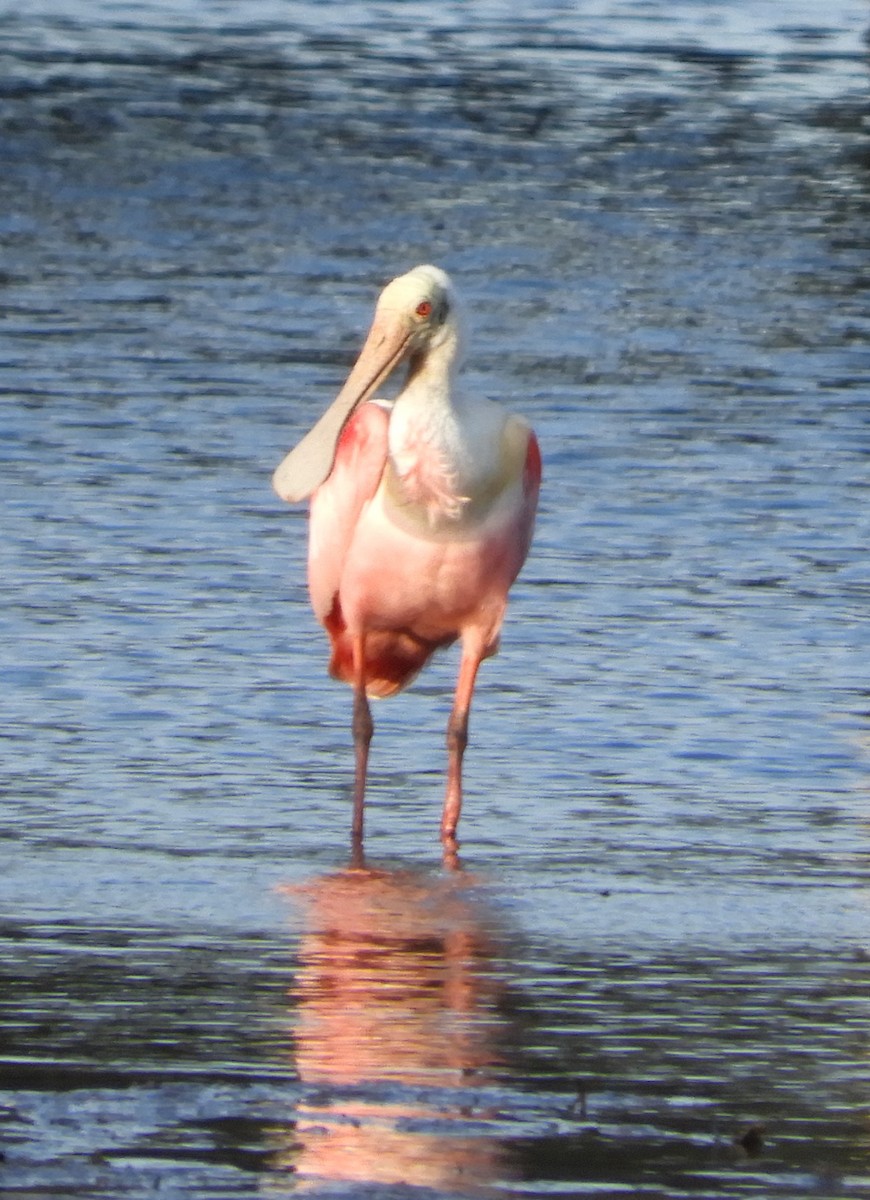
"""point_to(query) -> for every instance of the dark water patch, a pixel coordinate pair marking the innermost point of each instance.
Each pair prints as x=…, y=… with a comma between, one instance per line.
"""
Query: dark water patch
x=732, y=1071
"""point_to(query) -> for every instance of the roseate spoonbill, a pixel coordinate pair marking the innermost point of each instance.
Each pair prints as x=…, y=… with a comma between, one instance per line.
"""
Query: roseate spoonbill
x=421, y=516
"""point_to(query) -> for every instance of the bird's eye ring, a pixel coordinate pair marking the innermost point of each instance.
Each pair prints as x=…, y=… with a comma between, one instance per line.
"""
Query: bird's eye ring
x=424, y=308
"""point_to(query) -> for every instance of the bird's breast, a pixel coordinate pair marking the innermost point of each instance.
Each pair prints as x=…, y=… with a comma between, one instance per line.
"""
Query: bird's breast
x=434, y=493
x=423, y=476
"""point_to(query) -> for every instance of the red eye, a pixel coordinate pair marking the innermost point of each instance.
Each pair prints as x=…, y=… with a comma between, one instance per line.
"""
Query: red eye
x=424, y=308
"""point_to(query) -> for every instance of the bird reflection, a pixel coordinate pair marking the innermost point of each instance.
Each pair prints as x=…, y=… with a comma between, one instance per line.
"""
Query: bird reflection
x=398, y=1029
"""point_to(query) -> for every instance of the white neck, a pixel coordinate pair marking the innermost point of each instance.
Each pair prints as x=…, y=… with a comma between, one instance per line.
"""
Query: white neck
x=439, y=362
x=443, y=446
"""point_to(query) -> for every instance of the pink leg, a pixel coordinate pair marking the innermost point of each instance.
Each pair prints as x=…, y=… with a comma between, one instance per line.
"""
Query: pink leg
x=363, y=728
x=457, y=739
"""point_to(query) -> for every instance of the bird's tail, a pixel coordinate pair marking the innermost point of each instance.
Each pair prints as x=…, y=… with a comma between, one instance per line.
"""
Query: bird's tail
x=393, y=660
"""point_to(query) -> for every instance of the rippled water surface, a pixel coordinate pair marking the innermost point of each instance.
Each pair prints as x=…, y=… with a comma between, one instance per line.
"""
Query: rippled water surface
x=649, y=975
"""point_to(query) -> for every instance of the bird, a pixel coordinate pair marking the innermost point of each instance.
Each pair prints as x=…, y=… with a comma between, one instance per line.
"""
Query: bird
x=421, y=516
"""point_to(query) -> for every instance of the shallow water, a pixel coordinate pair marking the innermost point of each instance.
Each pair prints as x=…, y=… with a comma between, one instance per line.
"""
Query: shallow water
x=649, y=975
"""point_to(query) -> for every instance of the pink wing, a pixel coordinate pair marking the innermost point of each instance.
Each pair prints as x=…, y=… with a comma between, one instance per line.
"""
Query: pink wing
x=393, y=658
x=338, y=502
x=532, y=482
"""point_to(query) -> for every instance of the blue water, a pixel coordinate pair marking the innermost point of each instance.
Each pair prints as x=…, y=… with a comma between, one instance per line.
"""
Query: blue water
x=649, y=976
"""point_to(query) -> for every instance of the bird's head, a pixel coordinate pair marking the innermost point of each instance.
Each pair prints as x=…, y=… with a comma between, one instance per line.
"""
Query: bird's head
x=419, y=311
x=416, y=314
